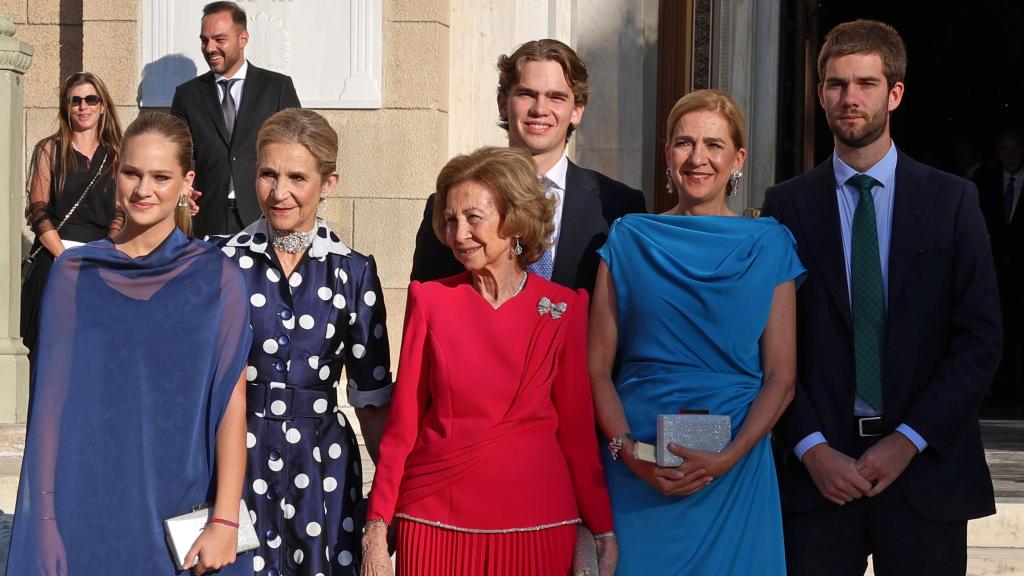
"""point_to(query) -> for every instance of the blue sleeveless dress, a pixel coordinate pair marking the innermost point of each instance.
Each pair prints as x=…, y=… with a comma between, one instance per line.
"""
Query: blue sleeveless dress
x=694, y=294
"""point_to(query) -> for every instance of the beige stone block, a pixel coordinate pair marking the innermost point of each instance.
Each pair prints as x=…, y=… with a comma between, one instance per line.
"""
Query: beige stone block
x=107, y=54
x=416, y=65
x=126, y=115
x=337, y=211
x=16, y=10
x=387, y=229
x=389, y=153
x=43, y=76
x=111, y=10
x=51, y=12
x=420, y=11
x=394, y=298
x=39, y=123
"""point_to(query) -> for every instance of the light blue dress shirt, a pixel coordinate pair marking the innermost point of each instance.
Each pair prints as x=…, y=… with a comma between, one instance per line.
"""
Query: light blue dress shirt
x=884, y=172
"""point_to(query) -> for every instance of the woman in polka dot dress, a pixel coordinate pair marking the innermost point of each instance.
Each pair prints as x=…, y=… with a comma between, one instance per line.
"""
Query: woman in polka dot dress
x=316, y=307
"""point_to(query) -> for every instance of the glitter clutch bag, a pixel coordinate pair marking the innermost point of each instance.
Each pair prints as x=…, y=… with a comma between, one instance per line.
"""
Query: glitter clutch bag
x=182, y=531
x=585, y=561
x=697, y=431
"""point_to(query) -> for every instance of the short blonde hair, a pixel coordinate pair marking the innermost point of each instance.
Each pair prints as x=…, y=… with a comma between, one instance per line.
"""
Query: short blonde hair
x=304, y=127
x=511, y=176
x=710, y=101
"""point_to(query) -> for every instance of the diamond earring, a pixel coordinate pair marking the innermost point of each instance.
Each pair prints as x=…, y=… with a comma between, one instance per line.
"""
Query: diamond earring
x=668, y=181
x=734, y=183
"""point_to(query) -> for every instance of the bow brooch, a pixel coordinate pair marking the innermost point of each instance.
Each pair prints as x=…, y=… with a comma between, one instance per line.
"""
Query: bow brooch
x=545, y=306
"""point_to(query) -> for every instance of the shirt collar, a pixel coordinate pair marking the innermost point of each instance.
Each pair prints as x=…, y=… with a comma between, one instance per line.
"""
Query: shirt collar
x=1016, y=175
x=884, y=171
x=256, y=238
x=240, y=75
x=556, y=175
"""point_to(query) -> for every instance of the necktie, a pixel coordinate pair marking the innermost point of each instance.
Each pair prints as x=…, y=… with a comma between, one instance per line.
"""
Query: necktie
x=867, y=294
x=1008, y=200
x=227, y=104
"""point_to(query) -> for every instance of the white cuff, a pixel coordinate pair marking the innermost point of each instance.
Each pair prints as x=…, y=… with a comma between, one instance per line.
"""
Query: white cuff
x=810, y=441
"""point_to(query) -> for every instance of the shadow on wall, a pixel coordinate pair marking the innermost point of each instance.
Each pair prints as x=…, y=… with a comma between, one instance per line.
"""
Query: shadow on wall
x=160, y=77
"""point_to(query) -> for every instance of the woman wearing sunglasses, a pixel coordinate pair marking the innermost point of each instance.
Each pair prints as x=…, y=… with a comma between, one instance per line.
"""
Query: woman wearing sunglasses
x=70, y=188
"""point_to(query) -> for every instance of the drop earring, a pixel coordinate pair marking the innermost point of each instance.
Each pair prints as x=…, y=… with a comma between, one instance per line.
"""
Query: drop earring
x=183, y=200
x=668, y=182
x=734, y=183
x=519, y=247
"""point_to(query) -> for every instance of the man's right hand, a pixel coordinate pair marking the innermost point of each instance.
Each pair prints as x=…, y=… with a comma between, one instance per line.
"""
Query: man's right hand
x=835, y=474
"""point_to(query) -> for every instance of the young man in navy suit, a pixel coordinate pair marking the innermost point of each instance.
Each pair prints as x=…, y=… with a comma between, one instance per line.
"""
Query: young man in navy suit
x=898, y=330
x=542, y=92
x=224, y=108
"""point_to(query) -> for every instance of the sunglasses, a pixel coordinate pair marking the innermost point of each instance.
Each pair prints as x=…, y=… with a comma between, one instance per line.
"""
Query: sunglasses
x=91, y=100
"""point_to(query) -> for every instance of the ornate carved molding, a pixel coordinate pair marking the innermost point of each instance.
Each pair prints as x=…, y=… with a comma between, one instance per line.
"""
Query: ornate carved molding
x=702, y=20
x=15, y=55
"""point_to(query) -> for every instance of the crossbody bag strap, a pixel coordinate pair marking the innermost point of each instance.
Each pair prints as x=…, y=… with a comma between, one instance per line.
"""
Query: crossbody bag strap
x=74, y=207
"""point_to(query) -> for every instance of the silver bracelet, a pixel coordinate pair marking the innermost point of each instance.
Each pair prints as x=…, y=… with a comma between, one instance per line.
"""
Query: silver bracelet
x=603, y=535
x=615, y=444
x=375, y=521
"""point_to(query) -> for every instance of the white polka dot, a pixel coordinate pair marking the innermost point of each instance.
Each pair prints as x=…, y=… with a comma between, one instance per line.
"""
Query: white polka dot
x=278, y=407
x=358, y=350
x=330, y=332
x=370, y=298
x=258, y=300
x=289, y=511
x=275, y=465
x=228, y=251
x=320, y=406
x=378, y=330
x=250, y=439
x=259, y=486
x=293, y=436
x=313, y=529
x=306, y=321
x=275, y=543
x=245, y=262
x=330, y=484
x=325, y=372
x=277, y=386
x=298, y=556
x=334, y=451
x=257, y=563
x=252, y=516
x=273, y=275
x=353, y=494
x=295, y=279
x=324, y=293
x=250, y=373
x=316, y=453
x=301, y=481
x=348, y=524
x=270, y=346
x=289, y=324
x=341, y=275
x=339, y=301
x=314, y=362
x=341, y=419
x=379, y=372
x=345, y=558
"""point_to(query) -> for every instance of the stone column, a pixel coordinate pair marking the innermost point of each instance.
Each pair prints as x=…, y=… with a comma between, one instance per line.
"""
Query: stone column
x=15, y=58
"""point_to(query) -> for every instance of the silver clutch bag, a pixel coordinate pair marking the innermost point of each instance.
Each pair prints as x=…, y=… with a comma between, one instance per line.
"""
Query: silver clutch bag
x=182, y=531
x=585, y=561
x=698, y=431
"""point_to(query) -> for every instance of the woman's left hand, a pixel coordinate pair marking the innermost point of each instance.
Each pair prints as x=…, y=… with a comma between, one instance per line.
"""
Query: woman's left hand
x=215, y=548
x=607, y=556
x=714, y=464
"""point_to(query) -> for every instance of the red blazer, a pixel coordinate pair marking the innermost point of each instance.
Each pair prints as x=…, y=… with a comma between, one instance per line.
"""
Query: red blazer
x=492, y=422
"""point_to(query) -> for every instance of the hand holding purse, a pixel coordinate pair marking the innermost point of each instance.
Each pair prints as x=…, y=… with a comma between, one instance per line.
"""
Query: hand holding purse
x=182, y=531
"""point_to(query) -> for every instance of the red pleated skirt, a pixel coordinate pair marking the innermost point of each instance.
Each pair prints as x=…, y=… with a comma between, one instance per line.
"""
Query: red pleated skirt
x=425, y=550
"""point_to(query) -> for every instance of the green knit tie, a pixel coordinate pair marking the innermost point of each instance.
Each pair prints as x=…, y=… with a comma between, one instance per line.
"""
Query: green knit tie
x=867, y=294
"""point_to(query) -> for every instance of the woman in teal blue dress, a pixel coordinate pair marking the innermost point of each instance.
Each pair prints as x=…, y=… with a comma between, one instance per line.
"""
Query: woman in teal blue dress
x=696, y=308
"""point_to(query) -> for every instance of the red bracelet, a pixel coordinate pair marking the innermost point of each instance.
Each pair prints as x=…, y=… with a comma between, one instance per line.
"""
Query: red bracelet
x=223, y=521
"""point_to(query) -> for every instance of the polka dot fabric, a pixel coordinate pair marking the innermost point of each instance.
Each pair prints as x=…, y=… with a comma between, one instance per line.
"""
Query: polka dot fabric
x=303, y=479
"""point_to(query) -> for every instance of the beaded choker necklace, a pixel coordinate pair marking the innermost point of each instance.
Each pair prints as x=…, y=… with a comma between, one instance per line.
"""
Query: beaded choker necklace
x=522, y=284
x=292, y=242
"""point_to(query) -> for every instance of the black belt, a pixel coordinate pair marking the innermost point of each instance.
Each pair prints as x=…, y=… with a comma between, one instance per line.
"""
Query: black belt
x=232, y=203
x=293, y=402
x=867, y=426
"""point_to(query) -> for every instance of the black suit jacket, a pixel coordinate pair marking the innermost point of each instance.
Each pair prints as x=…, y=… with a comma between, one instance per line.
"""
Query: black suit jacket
x=942, y=336
x=1007, y=237
x=592, y=202
x=216, y=158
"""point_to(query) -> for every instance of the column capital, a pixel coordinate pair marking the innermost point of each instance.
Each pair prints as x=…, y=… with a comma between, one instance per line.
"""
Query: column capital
x=15, y=55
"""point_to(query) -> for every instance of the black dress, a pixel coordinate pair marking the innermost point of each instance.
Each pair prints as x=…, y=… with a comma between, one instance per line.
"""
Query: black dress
x=47, y=207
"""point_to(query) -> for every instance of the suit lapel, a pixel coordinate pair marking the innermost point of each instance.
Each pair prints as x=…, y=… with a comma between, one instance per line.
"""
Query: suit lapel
x=253, y=85
x=818, y=214
x=909, y=223
x=208, y=94
x=575, y=215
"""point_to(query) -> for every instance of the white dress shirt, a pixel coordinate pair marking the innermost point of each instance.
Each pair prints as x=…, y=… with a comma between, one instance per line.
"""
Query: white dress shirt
x=236, y=94
x=554, y=183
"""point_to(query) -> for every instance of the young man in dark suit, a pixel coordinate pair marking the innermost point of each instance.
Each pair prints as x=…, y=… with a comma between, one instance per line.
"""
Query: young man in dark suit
x=542, y=92
x=224, y=108
x=898, y=337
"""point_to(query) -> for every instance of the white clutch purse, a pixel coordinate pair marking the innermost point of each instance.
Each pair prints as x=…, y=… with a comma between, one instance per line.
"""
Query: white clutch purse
x=182, y=531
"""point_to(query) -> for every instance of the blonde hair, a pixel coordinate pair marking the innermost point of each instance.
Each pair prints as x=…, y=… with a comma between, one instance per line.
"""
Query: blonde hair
x=304, y=127
x=710, y=101
x=176, y=132
x=511, y=176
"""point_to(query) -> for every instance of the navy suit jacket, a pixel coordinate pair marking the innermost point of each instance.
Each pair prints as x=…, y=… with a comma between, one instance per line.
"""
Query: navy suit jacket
x=942, y=345
x=592, y=202
x=215, y=157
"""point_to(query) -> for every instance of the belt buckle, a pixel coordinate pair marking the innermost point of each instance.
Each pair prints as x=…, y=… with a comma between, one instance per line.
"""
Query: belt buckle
x=860, y=426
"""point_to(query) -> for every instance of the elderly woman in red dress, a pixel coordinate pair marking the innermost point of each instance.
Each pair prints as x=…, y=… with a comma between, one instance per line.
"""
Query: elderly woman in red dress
x=489, y=458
